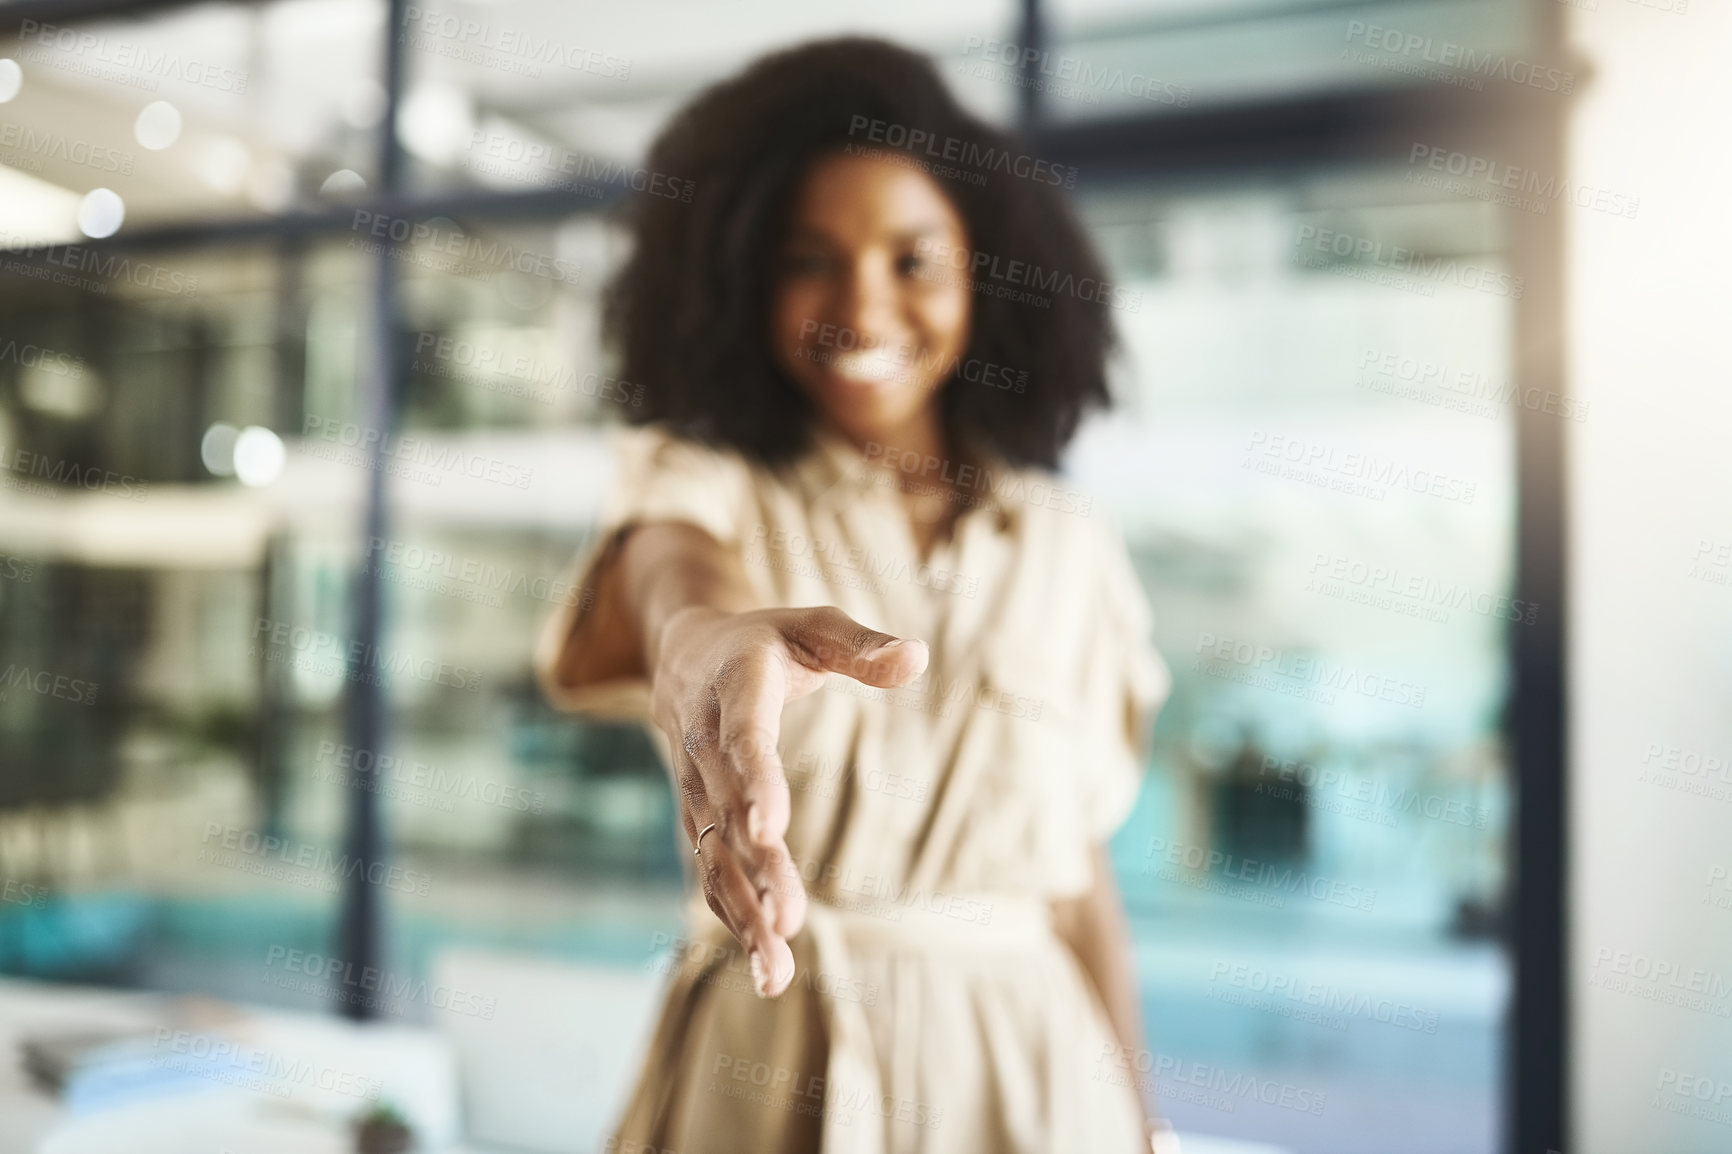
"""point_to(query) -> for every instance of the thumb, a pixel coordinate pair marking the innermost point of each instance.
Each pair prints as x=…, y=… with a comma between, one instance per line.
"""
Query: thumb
x=827, y=638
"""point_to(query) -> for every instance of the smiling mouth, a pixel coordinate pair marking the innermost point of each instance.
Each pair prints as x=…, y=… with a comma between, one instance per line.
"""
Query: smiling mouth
x=871, y=367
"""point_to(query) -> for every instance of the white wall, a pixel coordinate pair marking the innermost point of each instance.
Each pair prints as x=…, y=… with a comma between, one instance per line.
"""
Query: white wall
x=1650, y=347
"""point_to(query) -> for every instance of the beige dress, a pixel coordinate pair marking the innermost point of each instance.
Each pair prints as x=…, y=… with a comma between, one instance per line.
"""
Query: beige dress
x=933, y=1009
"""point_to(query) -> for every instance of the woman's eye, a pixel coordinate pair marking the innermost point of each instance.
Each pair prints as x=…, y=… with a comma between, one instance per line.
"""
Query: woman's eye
x=910, y=264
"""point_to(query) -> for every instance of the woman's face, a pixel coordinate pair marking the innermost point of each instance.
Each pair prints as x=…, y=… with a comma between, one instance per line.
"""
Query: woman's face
x=869, y=314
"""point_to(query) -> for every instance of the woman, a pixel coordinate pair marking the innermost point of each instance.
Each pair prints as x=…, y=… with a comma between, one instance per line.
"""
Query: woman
x=902, y=671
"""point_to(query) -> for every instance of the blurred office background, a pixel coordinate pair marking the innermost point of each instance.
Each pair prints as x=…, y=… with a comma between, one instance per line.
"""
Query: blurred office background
x=1348, y=460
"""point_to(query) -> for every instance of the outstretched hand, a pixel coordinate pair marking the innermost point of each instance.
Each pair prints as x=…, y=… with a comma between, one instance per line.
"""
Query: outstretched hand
x=718, y=687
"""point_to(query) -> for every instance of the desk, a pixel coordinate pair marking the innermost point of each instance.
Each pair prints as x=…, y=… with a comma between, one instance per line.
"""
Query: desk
x=291, y=1082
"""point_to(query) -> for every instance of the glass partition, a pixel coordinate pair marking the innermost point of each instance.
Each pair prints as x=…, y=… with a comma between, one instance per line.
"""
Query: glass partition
x=1315, y=470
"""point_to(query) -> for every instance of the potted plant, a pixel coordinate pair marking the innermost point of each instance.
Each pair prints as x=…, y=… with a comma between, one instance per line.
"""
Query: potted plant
x=382, y=1130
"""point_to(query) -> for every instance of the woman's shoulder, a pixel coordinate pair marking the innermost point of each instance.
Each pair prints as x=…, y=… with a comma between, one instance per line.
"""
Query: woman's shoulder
x=657, y=455
x=662, y=475
x=659, y=443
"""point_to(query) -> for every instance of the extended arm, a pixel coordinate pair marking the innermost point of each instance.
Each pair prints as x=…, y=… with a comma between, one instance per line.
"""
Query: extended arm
x=671, y=604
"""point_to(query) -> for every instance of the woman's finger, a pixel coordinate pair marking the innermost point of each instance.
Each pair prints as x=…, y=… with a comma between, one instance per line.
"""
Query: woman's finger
x=734, y=899
x=753, y=889
x=751, y=704
x=784, y=894
x=828, y=639
x=694, y=801
x=748, y=727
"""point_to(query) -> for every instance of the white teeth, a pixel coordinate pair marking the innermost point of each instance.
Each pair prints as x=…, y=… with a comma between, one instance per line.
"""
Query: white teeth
x=867, y=366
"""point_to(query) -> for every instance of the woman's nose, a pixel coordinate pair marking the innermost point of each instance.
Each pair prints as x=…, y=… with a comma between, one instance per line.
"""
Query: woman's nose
x=867, y=301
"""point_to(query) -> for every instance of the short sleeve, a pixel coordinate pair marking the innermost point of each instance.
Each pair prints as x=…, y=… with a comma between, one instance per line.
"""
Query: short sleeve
x=658, y=477
x=667, y=478
x=1126, y=683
